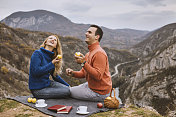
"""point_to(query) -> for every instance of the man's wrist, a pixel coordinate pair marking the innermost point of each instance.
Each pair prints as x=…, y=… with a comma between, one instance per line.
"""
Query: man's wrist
x=82, y=64
x=72, y=74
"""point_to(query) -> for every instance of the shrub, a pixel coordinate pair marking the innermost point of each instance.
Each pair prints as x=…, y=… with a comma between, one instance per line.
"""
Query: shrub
x=4, y=69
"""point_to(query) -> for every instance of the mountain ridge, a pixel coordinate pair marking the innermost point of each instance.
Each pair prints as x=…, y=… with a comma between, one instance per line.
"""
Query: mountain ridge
x=154, y=40
x=42, y=20
x=153, y=82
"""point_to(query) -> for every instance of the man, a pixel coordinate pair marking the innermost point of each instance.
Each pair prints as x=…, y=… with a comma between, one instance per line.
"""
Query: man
x=95, y=68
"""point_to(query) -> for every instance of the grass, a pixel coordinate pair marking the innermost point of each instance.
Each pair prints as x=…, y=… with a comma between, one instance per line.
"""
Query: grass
x=5, y=104
x=11, y=108
x=29, y=109
x=131, y=111
x=24, y=115
x=139, y=112
x=143, y=112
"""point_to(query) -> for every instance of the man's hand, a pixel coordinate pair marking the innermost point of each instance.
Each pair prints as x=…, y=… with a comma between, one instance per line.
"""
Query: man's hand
x=80, y=59
x=69, y=72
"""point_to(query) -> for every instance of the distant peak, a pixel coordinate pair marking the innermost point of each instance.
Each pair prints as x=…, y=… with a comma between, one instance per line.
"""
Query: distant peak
x=36, y=13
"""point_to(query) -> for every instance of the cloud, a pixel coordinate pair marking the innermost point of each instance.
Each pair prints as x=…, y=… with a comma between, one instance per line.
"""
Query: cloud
x=74, y=7
x=146, y=3
x=147, y=20
x=137, y=14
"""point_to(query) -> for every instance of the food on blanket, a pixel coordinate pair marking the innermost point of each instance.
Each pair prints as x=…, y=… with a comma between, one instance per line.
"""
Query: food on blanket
x=99, y=105
x=77, y=53
x=29, y=100
x=59, y=56
x=108, y=98
x=34, y=100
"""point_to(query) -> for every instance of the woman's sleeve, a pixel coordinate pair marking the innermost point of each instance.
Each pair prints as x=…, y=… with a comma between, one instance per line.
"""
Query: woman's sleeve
x=59, y=79
x=36, y=68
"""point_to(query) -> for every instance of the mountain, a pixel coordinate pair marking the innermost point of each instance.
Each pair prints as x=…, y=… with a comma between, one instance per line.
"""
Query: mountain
x=156, y=40
x=46, y=21
x=154, y=81
x=17, y=46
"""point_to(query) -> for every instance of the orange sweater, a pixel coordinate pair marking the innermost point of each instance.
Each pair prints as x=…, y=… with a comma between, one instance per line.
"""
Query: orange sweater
x=96, y=70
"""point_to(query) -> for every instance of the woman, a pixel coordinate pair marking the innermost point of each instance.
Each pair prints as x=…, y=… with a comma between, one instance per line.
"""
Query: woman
x=44, y=62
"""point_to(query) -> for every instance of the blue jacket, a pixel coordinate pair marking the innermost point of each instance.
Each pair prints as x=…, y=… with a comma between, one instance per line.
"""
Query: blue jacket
x=41, y=67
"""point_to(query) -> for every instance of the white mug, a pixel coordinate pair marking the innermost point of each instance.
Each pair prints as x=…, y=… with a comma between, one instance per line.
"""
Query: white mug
x=82, y=109
x=40, y=103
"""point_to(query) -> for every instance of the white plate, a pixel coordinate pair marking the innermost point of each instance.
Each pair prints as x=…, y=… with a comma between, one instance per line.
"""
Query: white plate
x=41, y=105
x=82, y=113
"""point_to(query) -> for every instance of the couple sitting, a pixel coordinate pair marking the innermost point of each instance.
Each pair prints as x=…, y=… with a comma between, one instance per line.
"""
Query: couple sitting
x=95, y=68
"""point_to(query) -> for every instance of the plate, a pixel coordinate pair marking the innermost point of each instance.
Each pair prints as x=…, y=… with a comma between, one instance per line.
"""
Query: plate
x=41, y=105
x=82, y=113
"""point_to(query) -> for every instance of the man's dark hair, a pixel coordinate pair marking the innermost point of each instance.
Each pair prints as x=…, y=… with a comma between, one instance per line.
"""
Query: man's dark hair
x=98, y=31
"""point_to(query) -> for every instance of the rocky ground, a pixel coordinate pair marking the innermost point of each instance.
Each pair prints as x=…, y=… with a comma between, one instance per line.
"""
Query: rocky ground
x=10, y=108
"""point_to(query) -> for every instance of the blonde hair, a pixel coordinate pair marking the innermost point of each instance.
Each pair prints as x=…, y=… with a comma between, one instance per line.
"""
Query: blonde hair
x=57, y=50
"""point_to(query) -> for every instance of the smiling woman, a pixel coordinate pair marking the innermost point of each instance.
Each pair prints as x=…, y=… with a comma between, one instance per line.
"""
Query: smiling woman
x=44, y=62
x=52, y=43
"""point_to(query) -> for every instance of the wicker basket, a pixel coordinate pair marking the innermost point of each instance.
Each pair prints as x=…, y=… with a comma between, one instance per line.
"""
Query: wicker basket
x=113, y=102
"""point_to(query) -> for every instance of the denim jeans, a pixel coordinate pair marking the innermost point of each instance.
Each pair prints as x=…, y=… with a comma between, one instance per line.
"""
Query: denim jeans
x=55, y=90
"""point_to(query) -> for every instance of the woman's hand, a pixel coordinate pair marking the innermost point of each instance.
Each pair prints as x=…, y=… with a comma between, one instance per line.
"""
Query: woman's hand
x=56, y=60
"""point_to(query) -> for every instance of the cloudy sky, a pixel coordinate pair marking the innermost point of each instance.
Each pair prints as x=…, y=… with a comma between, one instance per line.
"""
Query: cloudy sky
x=114, y=14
